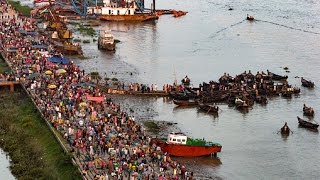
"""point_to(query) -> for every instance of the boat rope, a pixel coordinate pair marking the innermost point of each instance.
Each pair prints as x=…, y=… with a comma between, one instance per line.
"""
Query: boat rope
x=289, y=27
x=223, y=29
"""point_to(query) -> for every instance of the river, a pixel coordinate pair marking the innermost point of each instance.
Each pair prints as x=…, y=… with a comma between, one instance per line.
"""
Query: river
x=5, y=172
x=207, y=42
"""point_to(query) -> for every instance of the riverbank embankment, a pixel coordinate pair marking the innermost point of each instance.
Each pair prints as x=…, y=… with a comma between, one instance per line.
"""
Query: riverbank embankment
x=33, y=150
x=104, y=140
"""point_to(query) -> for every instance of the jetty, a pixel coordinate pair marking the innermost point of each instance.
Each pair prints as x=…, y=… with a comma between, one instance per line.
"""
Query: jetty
x=11, y=84
x=104, y=141
x=137, y=93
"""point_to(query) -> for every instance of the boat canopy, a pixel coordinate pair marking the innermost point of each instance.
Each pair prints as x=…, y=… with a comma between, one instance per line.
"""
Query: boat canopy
x=59, y=59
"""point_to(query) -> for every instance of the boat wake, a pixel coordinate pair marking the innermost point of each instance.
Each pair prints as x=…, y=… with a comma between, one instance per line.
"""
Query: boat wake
x=297, y=29
x=223, y=29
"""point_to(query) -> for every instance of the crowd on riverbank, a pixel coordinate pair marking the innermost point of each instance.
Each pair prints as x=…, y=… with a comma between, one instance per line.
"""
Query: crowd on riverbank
x=143, y=88
x=108, y=142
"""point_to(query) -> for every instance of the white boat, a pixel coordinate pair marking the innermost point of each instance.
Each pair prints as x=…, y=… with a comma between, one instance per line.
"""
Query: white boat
x=106, y=41
x=124, y=10
x=37, y=3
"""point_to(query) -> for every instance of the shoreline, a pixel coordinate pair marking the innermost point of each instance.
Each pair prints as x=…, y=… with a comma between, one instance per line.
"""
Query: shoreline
x=22, y=114
x=91, y=161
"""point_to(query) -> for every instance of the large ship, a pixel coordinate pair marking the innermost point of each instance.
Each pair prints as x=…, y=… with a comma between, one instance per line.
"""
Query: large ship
x=106, y=41
x=124, y=10
x=178, y=144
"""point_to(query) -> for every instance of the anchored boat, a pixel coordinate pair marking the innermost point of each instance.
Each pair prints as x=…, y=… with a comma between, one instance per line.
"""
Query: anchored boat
x=126, y=10
x=106, y=41
x=307, y=124
x=178, y=144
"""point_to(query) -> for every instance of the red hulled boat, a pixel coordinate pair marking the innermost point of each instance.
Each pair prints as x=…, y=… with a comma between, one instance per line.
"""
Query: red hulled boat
x=178, y=144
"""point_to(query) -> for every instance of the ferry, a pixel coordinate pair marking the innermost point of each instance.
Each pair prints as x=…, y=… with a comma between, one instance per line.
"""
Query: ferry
x=178, y=144
x=106, y=41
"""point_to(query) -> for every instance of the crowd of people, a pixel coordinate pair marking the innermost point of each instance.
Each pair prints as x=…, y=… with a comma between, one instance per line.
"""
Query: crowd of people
x=108, y=143
x=144, y=88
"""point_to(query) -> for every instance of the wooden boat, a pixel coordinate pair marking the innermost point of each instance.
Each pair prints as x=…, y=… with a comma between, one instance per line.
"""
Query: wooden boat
x=261, y=99
x=68, y=48
x=185, y=103
x=179, y=96
x=277, y=77
x=287, y=94
x=209, y=108
x=285, y=130
x=178, y=13
x=178, y=144
x=240, y=104
x=308, y=111
x=106, y=41
x=308, y=124
x=296, y=90
x=307, y=83
x=250, y=18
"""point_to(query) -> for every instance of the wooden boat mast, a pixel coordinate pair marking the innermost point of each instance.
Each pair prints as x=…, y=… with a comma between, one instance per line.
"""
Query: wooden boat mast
x=175, y=75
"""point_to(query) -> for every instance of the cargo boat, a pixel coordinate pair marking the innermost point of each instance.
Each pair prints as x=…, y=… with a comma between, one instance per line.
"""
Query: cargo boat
x=134, y=17
x=124, y=10
x=106, y=41
x=178, y=144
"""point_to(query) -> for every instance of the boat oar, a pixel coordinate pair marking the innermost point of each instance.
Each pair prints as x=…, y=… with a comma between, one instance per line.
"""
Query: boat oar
x=209, y=110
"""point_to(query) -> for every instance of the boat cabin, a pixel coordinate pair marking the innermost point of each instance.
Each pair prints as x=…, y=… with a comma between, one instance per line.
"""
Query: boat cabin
x=177, y=138
x=124, y=7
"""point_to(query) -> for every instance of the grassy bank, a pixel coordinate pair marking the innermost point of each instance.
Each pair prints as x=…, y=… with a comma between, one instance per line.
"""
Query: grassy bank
x=25, y=10
x=87, y=31
x=34, y=151
x=3, y=66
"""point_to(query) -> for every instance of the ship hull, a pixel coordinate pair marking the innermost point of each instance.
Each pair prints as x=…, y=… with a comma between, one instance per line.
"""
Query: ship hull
x=108, y=46
x=136, y=17
x=189, y=151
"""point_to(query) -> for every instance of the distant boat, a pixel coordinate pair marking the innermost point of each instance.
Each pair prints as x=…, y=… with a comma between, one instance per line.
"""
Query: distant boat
x=125, y=10
x=308, y=124
x=285, y=130
x=185, y=102
x=250, y=18
x=178, y=144
x=106, y=41
x=209, y=108
x=308, y=111
x=307, y=83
